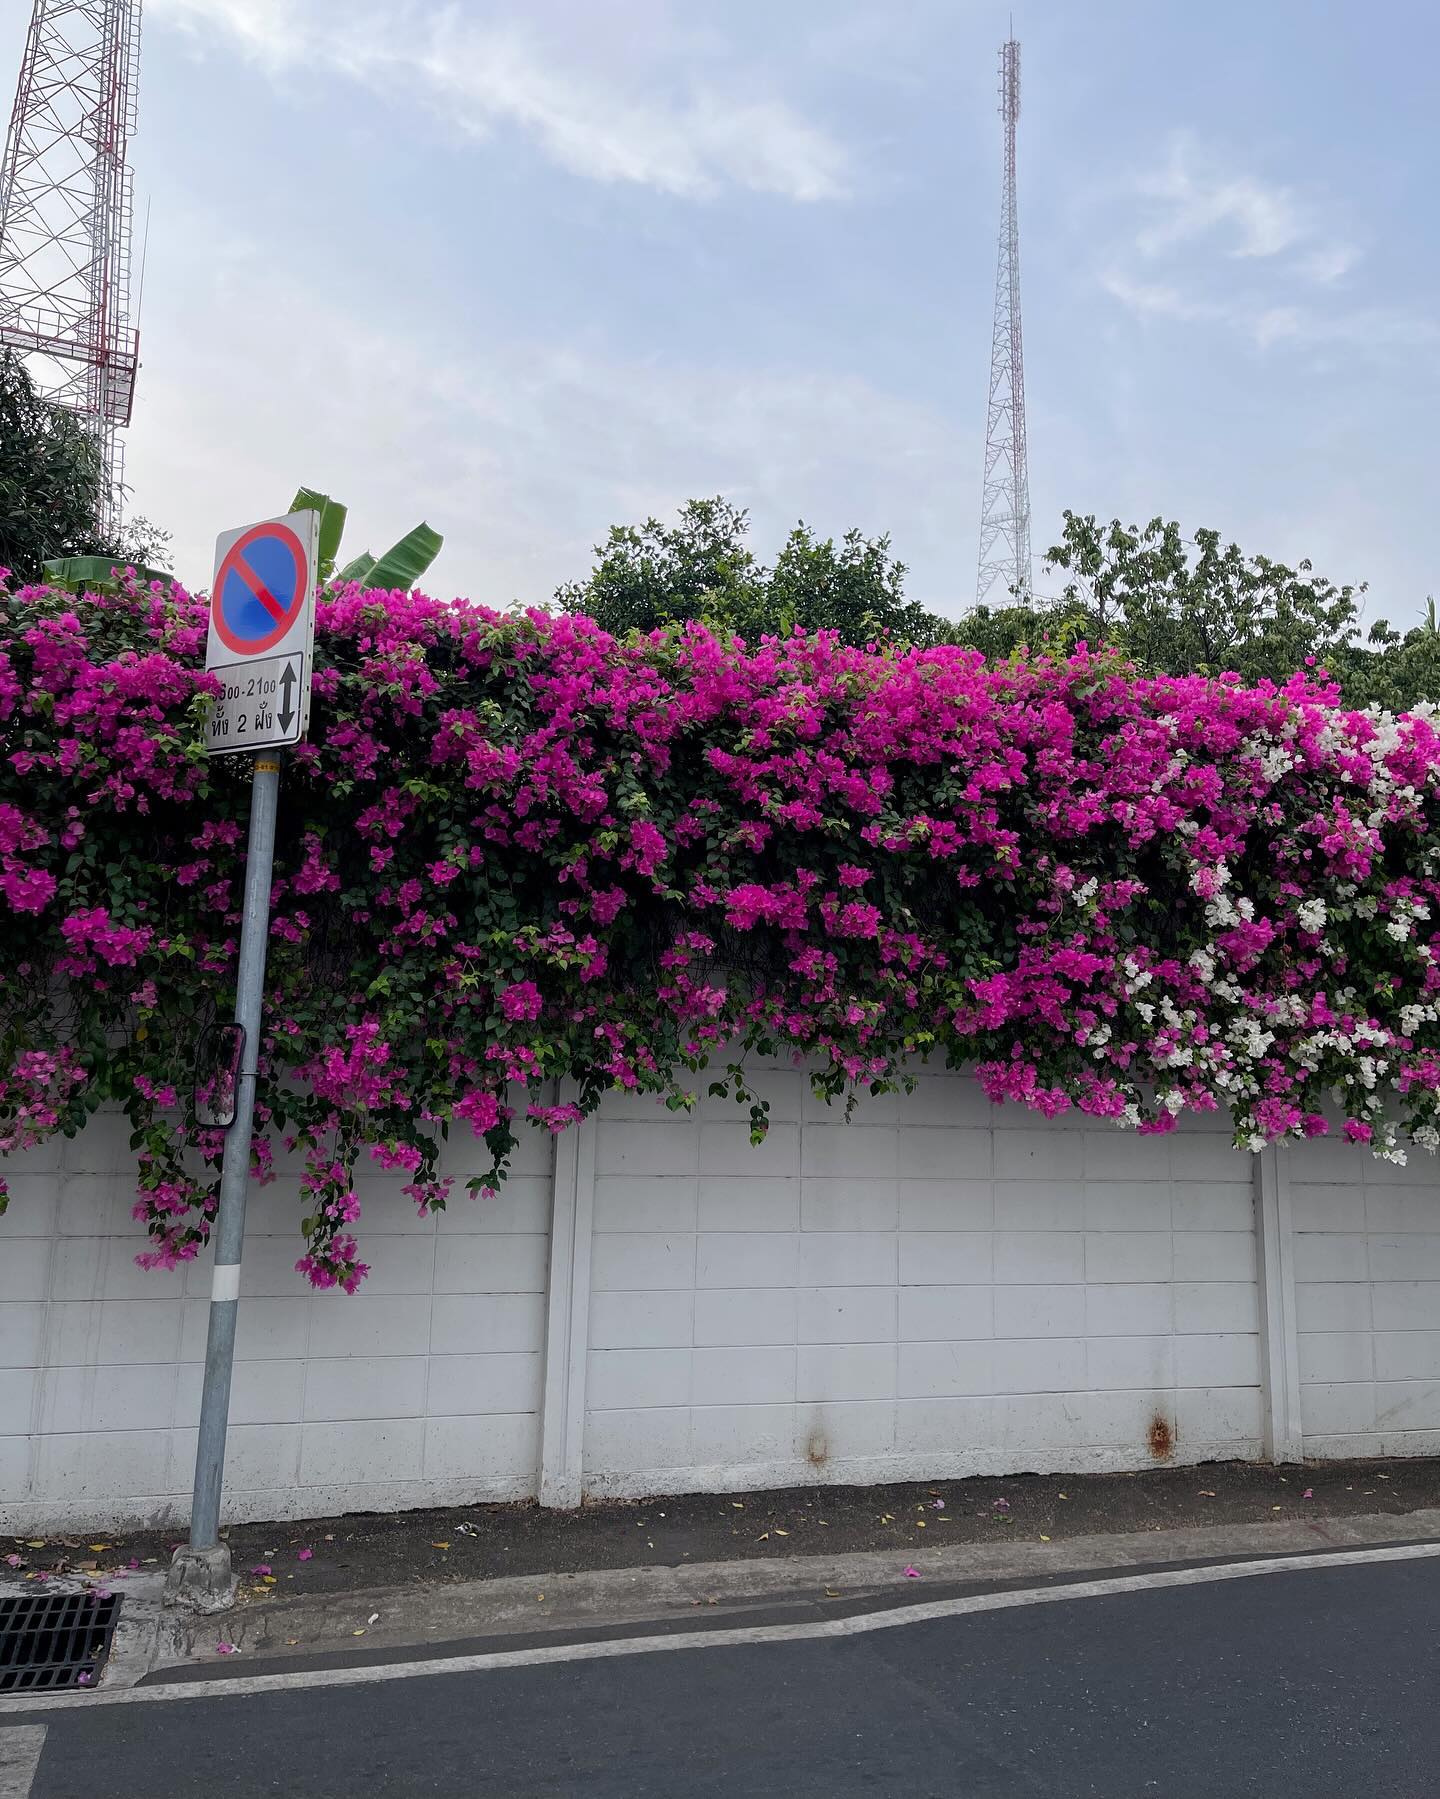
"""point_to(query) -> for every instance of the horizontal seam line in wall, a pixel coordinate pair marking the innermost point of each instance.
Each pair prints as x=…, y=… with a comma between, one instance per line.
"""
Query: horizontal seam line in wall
x=689, y=1405
x=392, y=1355
x=1376, y=1380
x=389, y=1418
x=730, y=1405
x=156, y=1430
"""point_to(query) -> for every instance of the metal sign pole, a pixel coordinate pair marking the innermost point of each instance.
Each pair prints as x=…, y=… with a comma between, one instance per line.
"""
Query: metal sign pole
x=201, y=1570
x=260, y=650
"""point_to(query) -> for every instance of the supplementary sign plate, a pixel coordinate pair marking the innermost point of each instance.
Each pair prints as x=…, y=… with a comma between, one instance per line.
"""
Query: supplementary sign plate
x=260, y=707
x=262, y=633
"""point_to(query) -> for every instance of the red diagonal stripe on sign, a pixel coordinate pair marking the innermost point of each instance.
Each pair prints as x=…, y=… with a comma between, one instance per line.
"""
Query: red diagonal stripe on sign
x=258, y=588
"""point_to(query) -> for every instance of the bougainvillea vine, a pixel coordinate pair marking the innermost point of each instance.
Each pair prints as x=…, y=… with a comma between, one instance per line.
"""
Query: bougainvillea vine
x=522, y=863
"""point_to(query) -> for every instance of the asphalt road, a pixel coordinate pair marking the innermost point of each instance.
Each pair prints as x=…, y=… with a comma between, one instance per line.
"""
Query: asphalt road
x=1323, y=1682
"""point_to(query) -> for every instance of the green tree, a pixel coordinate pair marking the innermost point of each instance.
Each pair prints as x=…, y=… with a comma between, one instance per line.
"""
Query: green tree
x=655, y=574
x=51, y=478
x=856, y=588
x=1392, y=669
x=1178, y=604
x=999, y=632
x=658, y=574
x=143, y=543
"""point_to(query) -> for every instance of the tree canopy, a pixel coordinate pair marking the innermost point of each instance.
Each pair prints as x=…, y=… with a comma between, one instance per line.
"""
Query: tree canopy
x=702, y=567
x=1173, y=603
x=1177, y=604
x=50, y=478
x=51, y=487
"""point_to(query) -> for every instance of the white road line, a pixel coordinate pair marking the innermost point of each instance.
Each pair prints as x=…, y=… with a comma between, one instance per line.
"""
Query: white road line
x=20, y=1746
x=246, y=1687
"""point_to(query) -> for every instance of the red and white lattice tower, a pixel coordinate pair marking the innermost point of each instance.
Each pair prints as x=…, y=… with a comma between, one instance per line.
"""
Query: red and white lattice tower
x=65, y=203
x=1005, y=508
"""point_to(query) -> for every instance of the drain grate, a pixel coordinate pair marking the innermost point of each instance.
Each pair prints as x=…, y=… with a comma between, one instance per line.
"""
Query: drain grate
x=51, y=1640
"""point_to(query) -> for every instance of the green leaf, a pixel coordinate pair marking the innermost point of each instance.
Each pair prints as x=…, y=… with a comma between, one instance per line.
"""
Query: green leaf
x=75, y=573
x=332, y=525
x=403, y=563
x=357, y=568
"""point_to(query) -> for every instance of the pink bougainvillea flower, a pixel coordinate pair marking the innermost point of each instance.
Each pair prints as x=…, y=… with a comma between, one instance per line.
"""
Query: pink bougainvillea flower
x=304, y=1555
x=521, y=849
x=912, y=1574
x=261, y=1569
x=521, y=1001
x=226, y=1649
x=1309, y=1493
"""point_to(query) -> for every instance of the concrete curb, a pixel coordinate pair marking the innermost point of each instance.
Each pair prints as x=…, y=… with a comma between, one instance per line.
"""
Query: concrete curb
x=148, y=1634
x=559, y=1604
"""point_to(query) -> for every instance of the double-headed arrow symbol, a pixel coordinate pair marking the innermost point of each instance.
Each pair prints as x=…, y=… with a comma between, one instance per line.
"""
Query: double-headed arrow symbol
x=287, y=687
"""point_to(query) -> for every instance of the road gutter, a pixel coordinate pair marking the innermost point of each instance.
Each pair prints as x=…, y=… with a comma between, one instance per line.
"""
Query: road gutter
x=378, y=1619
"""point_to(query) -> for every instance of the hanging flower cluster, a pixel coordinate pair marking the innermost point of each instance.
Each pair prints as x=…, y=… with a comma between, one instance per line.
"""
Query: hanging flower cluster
x=521, y=863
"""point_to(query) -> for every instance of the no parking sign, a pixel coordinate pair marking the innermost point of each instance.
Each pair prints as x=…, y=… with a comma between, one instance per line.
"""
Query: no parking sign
x=262, y=632
x=261, y=642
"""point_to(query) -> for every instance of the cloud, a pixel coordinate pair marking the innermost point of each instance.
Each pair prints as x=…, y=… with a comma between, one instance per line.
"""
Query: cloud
x=269, y=30
x=1154, y=299
x=1229, y=250
x=1276, y=324
x=1329, y=262
x=521, y=451
x=1300, y=327
x=604, y=117
x=1194, y=199
x=1366, y=327
x=1196, y=207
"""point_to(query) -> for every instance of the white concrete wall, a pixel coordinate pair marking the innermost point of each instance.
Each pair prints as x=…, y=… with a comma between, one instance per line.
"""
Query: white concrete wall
x=1367, y=1272
x=422, y=1389
x=654, y=1305
x=936, y=1288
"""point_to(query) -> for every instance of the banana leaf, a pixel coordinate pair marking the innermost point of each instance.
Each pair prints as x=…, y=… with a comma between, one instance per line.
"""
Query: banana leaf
x=403, y=563
x=332, y=526
x=74, y=574
x=357, y=568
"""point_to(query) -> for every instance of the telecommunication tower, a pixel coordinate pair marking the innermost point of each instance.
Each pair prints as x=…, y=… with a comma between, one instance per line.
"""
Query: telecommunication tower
x=1005, y=509
x=65, y=204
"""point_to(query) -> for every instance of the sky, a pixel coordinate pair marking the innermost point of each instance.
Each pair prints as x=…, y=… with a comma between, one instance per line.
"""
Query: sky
x=528, y=268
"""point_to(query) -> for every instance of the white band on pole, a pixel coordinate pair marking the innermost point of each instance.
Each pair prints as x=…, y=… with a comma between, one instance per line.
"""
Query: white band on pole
x=225, y=1283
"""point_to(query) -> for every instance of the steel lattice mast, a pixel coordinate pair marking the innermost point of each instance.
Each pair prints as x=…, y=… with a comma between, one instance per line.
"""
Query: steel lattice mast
x=1005, y=509
x=65, y=205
